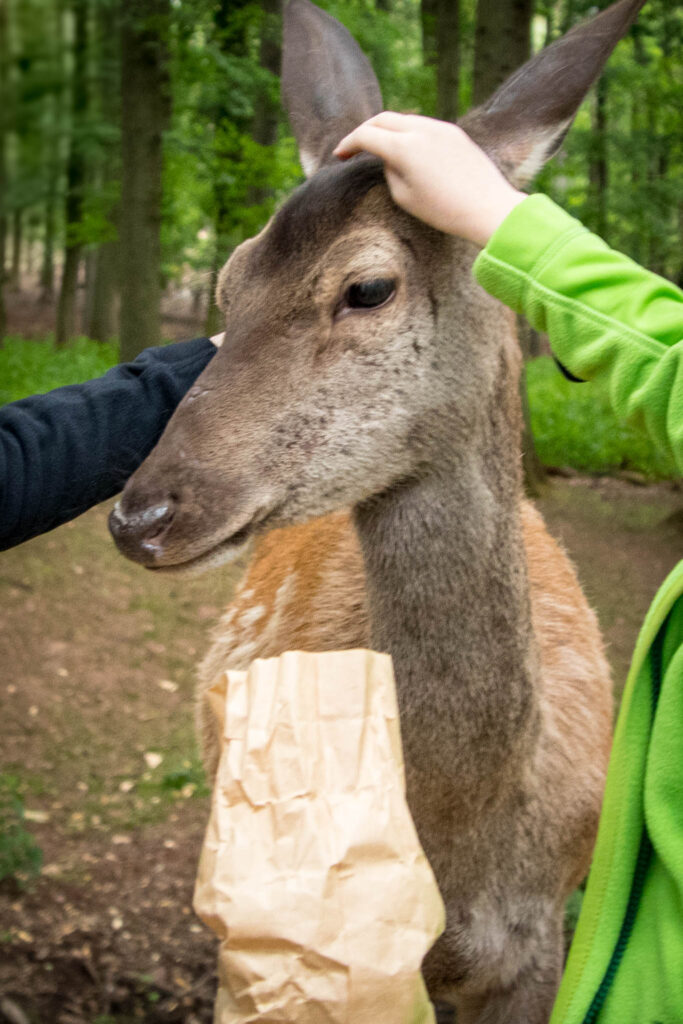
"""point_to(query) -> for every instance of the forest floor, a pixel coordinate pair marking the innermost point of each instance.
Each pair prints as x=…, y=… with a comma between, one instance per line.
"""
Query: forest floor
x=29, y=317
x=98, y=661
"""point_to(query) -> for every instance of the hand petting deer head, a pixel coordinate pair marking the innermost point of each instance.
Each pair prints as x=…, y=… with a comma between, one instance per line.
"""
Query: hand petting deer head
x=357, y=346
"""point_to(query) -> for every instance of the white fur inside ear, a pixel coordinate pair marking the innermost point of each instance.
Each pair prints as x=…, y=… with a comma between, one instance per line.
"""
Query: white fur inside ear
x=308, y=162
x=542, y=148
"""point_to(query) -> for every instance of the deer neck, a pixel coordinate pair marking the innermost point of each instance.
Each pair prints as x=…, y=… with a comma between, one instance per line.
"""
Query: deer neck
x=448, y=599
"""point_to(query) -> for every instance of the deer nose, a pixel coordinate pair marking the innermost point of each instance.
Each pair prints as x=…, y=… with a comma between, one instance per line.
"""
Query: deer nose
x=140, y=534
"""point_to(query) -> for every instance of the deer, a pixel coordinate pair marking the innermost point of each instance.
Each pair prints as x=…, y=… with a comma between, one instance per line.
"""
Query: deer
x=359, y=431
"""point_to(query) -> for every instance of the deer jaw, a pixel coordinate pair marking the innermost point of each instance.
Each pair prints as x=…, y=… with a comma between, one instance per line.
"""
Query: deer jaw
x=311, y=405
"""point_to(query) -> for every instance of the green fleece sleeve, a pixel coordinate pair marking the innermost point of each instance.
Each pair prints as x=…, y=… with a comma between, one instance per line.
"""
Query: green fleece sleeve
x=606, y=317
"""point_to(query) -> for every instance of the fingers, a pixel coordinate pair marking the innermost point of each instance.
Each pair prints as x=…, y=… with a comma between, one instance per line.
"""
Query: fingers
x=367, y=139
x=374, y=136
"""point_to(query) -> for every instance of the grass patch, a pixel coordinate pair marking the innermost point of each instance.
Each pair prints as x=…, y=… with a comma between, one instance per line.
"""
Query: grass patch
x=573, y=425
x=152, y=795
x=20, y=856
x=33, y=367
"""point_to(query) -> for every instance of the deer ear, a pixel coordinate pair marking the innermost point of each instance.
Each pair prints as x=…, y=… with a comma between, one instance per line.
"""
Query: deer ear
x=328, y=86
x=526, y=119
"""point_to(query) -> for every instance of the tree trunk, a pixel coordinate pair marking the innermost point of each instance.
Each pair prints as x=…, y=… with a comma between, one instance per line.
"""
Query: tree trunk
x=101, y=324
x=447, y=59
x=145, y=111
x=102, y=321
x=17, y=242
x=597, y=169
x=440, y=20
x=75, y=180
x=47, y=270
x=502, y=42
x=53, y=115
x=232, y=38
x=267, y=105
x=428, y=22
x=4, y=81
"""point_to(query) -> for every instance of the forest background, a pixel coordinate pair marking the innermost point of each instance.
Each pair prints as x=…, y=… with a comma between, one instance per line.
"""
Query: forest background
x=142, y=140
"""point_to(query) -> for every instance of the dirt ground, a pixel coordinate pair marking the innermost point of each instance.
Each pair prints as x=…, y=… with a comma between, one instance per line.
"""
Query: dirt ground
x=97, y=740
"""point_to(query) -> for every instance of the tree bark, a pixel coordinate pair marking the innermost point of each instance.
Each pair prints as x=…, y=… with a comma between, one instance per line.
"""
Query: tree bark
x=232, y=39
x=101, y=324
x=145, y=112
x=447, y=59
x=4, y=82
x=428, y=22
x=47, y=270
x=53, y=116
x=502, y=43
x=17, y=244
x=597, y=169
x=440, y=20
x=75, y=180
x=267, y=105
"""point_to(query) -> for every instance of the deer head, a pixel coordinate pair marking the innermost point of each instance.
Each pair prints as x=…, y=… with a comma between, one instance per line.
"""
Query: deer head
x=358, y=351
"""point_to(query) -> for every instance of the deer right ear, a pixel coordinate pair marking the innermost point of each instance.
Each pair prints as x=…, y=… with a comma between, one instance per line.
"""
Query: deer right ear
x=328, y=85
x=526, y=119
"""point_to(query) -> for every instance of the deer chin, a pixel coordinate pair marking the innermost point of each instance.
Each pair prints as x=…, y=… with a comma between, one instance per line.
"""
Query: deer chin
x=228, y=550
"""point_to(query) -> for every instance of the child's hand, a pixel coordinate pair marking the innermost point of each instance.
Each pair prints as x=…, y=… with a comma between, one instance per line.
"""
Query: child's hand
x=436, y=172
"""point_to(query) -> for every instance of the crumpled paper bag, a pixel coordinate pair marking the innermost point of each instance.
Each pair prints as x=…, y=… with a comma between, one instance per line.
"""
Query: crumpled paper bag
x=311, y=873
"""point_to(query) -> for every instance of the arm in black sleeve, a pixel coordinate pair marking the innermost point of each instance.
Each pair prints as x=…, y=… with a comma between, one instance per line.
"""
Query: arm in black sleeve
x=64, y=451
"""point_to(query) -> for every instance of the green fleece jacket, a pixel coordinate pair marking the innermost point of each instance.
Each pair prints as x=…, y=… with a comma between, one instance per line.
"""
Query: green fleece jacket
x=609, y=319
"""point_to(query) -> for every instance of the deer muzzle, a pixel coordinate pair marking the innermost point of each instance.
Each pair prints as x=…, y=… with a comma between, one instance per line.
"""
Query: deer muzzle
x=140, y=535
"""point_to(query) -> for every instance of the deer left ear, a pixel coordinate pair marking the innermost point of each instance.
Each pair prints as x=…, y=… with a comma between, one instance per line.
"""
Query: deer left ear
x=526, y=119
x=328, y=85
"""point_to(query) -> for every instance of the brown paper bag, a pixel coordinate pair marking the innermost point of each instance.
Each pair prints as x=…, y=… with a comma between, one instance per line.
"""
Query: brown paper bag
x=312, y=874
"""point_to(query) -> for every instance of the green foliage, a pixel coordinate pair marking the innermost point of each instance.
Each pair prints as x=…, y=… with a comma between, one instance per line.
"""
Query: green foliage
x=189, y=774
x=572, y=909
x=31, y=367
x=643, y=142
x=573, y=425
x=20, y=856
x=220, y=185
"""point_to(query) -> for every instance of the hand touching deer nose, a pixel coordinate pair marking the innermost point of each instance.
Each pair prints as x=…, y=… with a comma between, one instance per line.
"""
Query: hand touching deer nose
x=437, y=173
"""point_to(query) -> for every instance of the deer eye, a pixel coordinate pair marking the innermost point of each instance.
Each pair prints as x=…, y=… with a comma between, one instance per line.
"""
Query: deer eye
x=370, y=294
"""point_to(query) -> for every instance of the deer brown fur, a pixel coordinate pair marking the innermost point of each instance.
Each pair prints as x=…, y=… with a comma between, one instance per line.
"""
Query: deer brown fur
x=408, y=414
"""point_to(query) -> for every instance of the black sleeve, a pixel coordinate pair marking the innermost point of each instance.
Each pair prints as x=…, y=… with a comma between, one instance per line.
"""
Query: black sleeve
x=64, y=451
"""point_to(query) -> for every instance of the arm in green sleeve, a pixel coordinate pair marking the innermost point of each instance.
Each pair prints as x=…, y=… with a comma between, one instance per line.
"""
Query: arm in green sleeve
x=606, y=317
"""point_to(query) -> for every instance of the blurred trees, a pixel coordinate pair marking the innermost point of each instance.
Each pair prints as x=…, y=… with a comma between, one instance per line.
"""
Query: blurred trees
x=145, y=112
x=141, y=140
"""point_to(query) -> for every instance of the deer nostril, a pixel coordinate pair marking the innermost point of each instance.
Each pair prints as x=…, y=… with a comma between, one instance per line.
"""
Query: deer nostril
x=157, y=522
x=140, y=534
